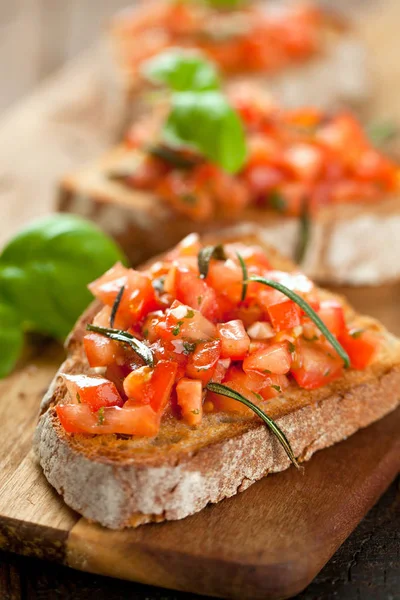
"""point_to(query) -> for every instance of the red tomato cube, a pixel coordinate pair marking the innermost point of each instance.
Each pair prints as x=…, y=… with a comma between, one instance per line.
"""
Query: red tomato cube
x=361, y=346
x=274, y=358
x=95, y=392
x=203, y=360
x=190, y=400
x=234, y=339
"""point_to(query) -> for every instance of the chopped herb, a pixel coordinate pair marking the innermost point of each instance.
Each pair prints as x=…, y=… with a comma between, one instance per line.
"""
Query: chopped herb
x=310, y=312
x=115, y=306
x=245, y=276
x=277, y=388
x=176, y=330
x=304, y=232
x=78, y=398
x=189, y=347
x=224, y=390
x=356, y=333
x=189, y=314
x=327, y=372
x=291, y=347
x=158, y=284
x=266, y=371
x=277, y=201
x=206, y=254
x=145, y=333
x=258, y=396
x=195, y=412
x=101, y=416
x=199, y=300
x=125, y=338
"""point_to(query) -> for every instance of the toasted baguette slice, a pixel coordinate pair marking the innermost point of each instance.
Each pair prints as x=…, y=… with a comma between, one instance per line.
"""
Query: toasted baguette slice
x=338, y=76
x=352, y=244
x=122, y=481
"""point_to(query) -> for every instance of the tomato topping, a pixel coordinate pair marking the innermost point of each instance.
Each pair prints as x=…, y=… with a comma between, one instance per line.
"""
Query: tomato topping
x=190, y=399
x=258, y=345
x=275, y=358
x=315, y=365
x=361, y=346
x=78, y=418
x=234, y=339
x=95, y=392
x=202, y=361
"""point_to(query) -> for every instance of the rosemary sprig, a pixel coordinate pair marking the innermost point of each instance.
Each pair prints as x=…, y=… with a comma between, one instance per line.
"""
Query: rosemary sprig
x=304, y=232
x=310, y=312
x=206, y=254
x=245, y=275
x=173, y=157
x=224, y=390
x=115, y=307
x=125, y=338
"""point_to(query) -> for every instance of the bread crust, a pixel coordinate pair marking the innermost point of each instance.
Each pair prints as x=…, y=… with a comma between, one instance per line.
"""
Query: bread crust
x=122, y=481
x=349, y=244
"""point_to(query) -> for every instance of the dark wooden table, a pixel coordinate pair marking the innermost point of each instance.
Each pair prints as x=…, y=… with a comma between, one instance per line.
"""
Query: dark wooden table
x=366, y=567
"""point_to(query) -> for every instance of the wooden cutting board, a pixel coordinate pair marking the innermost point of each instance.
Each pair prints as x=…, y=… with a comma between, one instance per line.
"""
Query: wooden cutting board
x=268, y=542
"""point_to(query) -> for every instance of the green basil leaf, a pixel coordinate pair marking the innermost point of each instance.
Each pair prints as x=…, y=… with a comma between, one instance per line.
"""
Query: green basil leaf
x=11, y=339
x=207, y=123
x=182, y=71
x=45, y=269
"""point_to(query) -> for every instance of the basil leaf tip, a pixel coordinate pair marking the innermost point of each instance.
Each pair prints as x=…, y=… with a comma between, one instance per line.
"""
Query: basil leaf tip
x=223, y=390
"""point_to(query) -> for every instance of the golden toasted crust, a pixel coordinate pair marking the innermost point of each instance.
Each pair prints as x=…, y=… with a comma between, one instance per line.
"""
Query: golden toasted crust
x=184, y=468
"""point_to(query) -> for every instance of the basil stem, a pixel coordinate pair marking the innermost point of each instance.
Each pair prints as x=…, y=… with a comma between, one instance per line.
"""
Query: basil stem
x=125, y=338
x=115, y=307
x=304, y=233
x=224, y=390
x=173, y=157
x=245, y=275
x=206, y=254
x=310, y=312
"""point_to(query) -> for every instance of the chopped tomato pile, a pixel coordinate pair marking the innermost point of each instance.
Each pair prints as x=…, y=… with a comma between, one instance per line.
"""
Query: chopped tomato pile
x=197, y=329
x=254, y=38
x=296, y=160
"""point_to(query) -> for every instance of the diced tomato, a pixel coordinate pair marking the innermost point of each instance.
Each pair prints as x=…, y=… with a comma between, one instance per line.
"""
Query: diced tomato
x=203, y=360
x=101, y=351
x=193, y=291
x=273, y=386
x=161, y=383
x=304, y=160
x=137, y=385
x=332, y=314
x=246, y=385
x=221, y=369
x=185, y=322
x=78, y=418
x=361, y=346
x=284, y=315
x=315, y=365
x=274, y=358
x=189, y=246
x=234, y=339
x=95, y=392
x=106, y=287
x=190, y=399
x=182, y=194
x=226, y=278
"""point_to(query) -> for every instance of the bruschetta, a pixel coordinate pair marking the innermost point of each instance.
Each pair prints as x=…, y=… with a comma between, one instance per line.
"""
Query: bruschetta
x=190, y=379
x=300, y=52
x=312, y=181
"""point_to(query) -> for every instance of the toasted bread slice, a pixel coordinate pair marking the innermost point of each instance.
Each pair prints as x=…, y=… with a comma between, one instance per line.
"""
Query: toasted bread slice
x=337, y=76
x=123, y=481
x=350, y=244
